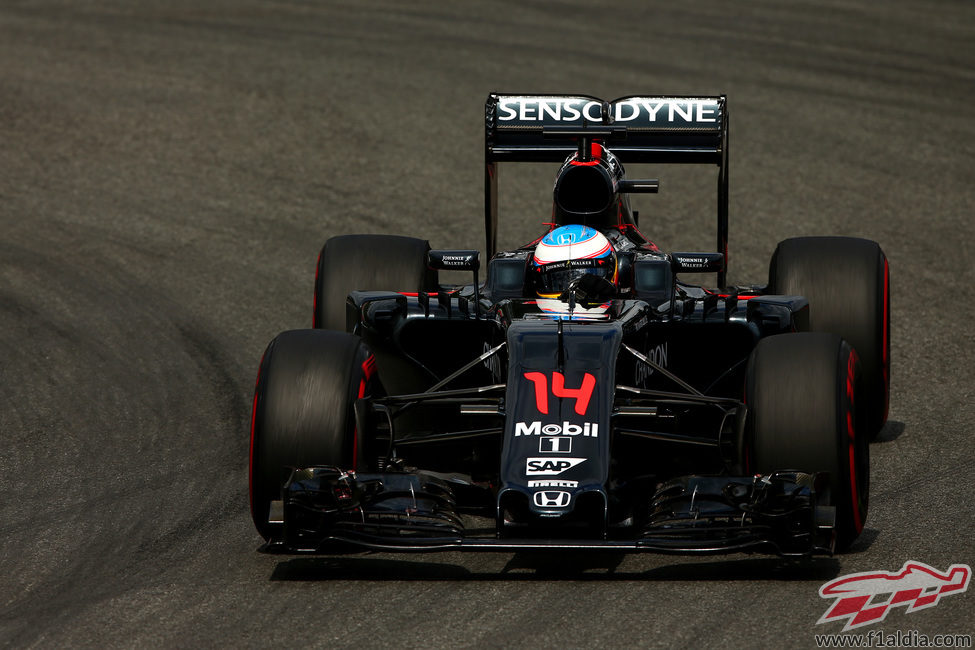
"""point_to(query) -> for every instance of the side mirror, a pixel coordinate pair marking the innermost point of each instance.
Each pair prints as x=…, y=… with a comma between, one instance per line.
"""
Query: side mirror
x=697, y=262
x=459, y=260
x=454, y=260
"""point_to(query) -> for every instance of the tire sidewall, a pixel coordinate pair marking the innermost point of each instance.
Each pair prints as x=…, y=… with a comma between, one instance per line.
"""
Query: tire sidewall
x=804, y=393
x=303, y=411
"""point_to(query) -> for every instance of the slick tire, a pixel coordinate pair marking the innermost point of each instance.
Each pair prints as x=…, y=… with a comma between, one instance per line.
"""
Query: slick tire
x=847, y=282
x=303, y=413
x=805, y=413
x=367, y=263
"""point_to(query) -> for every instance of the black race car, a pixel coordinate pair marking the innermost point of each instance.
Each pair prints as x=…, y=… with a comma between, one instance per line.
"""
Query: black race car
x=585, y=394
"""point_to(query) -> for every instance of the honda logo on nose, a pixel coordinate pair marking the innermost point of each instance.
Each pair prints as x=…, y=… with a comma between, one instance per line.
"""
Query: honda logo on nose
x=552, y=499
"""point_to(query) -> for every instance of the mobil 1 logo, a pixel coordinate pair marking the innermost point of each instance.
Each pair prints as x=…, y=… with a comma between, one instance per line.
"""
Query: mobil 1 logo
x=536, y=428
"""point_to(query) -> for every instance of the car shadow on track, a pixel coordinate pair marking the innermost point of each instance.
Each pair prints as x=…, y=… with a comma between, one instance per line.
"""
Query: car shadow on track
x=890, y=432
x=567, y=566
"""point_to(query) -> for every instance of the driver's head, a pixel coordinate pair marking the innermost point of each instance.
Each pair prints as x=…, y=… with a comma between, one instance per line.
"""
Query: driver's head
x=567, y=253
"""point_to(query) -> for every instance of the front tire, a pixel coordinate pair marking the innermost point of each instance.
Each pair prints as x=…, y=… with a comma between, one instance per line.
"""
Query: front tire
x=303, y=411
x=805, y=413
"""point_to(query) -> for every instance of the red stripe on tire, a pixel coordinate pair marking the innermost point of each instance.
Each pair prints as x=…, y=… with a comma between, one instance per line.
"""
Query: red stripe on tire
x=250, y=461
x=851, y=436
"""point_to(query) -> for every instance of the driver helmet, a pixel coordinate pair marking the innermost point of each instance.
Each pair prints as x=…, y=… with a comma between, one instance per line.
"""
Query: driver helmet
x=567, y=253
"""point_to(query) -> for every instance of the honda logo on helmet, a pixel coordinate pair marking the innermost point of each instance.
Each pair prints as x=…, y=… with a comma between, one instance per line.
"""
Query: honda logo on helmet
x=552, y=499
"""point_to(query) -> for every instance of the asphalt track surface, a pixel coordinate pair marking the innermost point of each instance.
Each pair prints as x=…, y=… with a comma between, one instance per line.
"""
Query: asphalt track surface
x=168, y=172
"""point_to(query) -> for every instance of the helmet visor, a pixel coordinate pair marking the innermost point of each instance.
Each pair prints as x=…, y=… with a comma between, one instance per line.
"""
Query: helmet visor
x=551, y=280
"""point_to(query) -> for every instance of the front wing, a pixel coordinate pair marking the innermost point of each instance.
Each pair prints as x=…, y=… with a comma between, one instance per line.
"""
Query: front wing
x=325, y=508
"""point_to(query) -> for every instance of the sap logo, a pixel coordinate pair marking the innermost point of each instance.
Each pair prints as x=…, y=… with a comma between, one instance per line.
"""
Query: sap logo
x=536, y=428
x=582, y=395
x=553, y=483
x=550, y=466
x=552, y=499
x=659, y=356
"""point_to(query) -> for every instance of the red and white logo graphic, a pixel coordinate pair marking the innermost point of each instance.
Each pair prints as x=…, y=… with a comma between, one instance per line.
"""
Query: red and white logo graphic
x=866, y=598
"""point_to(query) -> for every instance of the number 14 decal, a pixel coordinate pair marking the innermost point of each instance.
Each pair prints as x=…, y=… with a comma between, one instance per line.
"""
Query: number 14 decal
x=582, y=394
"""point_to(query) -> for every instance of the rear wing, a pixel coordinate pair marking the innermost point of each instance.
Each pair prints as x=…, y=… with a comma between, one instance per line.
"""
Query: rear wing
x=645, y=129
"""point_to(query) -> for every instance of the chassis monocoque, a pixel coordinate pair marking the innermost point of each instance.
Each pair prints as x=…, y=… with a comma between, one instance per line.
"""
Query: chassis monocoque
x=420, y=416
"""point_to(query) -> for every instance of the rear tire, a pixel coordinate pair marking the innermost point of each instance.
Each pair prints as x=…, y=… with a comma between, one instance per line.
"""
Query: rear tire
x=303, y=411
x=367, y=263
x=847, y=283
x=805, y=413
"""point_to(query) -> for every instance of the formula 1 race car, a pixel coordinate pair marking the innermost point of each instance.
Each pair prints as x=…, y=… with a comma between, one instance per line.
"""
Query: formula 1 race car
x=584, y=395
